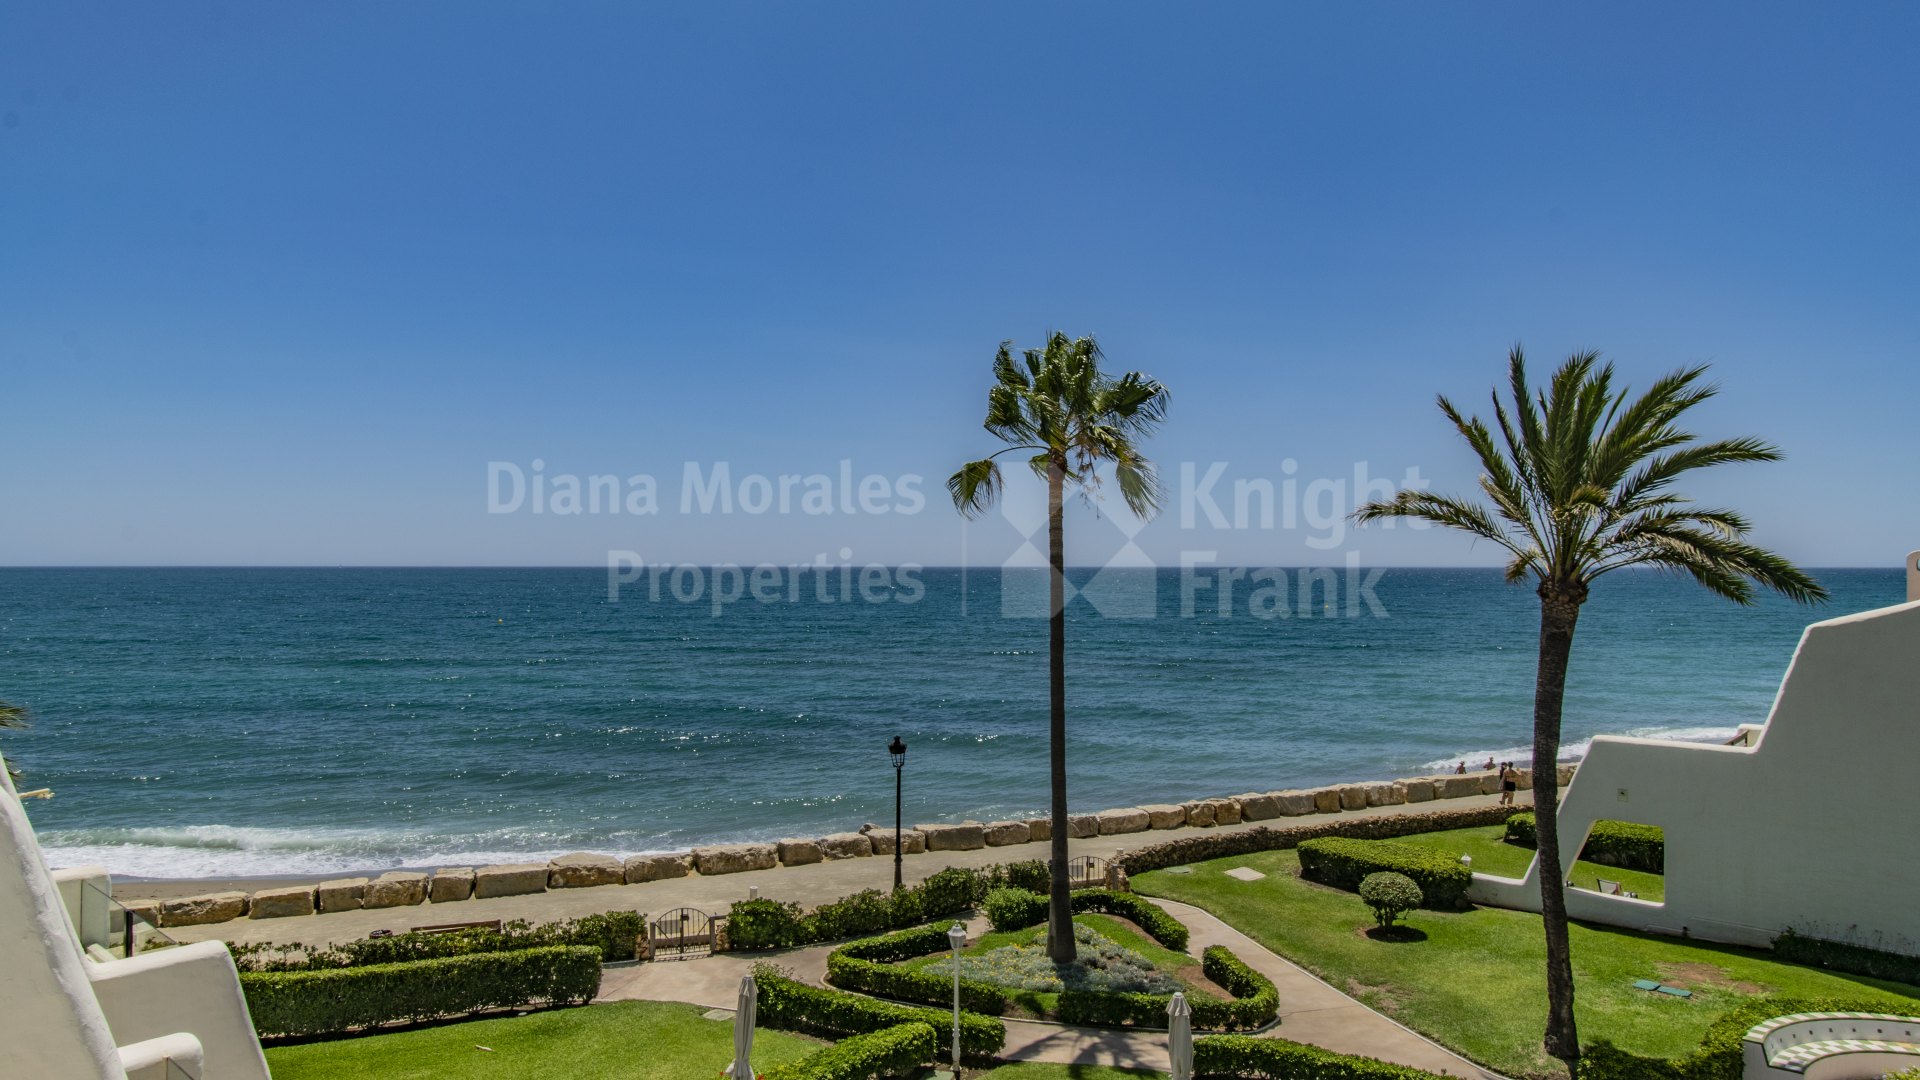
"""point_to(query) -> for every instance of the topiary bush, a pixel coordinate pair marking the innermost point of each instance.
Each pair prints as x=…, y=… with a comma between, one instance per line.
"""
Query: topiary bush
x=1390, y=895
x=871, y=966
x=1140, y=911
x=896, y=1051
x=1243, y=1057
x=786, y=1003
x=1014, y=909
x=1343, y=863
x=1625, y=844
x=333, y=1000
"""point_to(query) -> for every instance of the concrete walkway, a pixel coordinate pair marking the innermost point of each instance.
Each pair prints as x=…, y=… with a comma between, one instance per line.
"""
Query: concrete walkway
x=1311, y=1011
x=810, y=886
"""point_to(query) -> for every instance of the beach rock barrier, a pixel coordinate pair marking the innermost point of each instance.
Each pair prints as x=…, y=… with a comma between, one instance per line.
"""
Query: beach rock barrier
x=451, y=884
x=509, y=879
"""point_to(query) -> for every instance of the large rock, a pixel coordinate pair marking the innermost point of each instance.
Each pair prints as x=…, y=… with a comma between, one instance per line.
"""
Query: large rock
x=735, y=858
x=1165, y=815
x=799, y=852
x=1127, y=819
x=846, y=845
x=1415, y=789
x=209, y=908
x=677, y=864
x=340, y=894
x=1226, y=811
x=1459, y=787
x=396, y=888
x=966, y=836
x=1564, y=774
x=1007, y=833
x=1353, y=796
x=450, y=883
x=584, y=869
x=1326, y=800
x=148, y=911
x=1199, y=813
x=281, y=903
x=1490, y=783
x=912, y=841
x=1256, y=807
x=1293, y=803
x=1082, y=826
x=1523, y=779
x=509, y=879
x=1383, y=793
x=1039, y=828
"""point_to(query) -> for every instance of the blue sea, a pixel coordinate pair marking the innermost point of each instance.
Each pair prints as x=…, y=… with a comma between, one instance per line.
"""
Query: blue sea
x=216, y=722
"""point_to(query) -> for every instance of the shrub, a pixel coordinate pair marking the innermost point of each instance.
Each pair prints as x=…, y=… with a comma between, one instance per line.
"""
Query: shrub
x=1848, y=958
x=1344, y=863
x=754, y=925
x=871, y=966
x=764, y=924
x=1217, y=845
x=613, y=934
x=1144, y=913
x=1243, y=1057
x=1014, y=909
x=896, y=1051
x=1255, y=1001
x=786, y=1003
x=1625, y=844
x=333, y=1000
x=1030, y=875
x=1390, y=895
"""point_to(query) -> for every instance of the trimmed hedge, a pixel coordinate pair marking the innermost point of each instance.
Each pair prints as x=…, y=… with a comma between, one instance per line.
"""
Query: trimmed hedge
x=896, y=1051
x=871, y=966
x=1344, y=863
x=1625, y=844
x=1718, y=1055
x=334, y=1000
x=613, y=934
x=1242, y=1057
x=795, y=1006
x=1851, y=959
x=1218, y=845
x=1255, y=1001
x=1144, y=913
x=755, y=925
x=1014, y=909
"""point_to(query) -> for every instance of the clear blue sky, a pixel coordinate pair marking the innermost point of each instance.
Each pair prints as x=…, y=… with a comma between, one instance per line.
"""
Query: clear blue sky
x=277, y=284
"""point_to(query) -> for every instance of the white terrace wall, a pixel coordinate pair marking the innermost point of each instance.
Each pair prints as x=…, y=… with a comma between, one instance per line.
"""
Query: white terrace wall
x=1811, y=826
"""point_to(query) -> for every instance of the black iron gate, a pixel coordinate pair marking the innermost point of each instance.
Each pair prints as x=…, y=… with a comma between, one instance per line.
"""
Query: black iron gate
x=681, y=934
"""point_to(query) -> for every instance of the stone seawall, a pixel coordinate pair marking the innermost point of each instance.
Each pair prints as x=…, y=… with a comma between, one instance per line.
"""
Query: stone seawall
x=449, y=885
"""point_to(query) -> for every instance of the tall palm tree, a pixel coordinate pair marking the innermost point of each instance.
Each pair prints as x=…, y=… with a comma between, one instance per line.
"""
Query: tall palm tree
x=1074, y=418
x=1579, y=484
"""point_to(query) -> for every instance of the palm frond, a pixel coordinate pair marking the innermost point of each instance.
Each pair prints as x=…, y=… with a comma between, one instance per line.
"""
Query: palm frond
x=975, y=487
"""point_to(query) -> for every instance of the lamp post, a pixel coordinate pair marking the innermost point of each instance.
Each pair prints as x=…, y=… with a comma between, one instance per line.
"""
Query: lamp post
x=898, y=750
x=957, y=937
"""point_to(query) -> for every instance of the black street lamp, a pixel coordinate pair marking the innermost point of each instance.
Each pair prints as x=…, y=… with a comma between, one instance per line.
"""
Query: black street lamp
x=898, y=750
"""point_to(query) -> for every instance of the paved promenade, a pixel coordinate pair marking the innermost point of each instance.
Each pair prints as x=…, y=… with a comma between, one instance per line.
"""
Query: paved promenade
x=809, y=885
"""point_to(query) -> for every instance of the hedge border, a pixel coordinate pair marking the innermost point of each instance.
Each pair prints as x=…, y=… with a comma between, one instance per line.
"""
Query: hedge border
x=1625, y=844
x=896, y=1051
x=785, y=1002
x=1243, y=1057
x=330, y=1001
x=1344, y=862
x=1718, y=1057
x=1194, y=849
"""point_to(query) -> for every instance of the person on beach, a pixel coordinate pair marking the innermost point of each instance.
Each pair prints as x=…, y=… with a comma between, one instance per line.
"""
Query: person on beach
x=1488, y=767
x=1509, y=783
x=1462, y=770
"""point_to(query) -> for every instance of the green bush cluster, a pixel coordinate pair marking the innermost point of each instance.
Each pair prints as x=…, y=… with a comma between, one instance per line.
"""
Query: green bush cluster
x=1145, y=914
x=1344, y=863
x=1243, y=1057
x=795, y=1006
x=872, y=966
x=613, y=934
x=1851, y=959
x=1390, y=895
x=1718, y=1055
x=754, y=925
x=1221, y=845
x=328, y=1001
x=1014, y=909
x=896, y=1051
x=1625, y=844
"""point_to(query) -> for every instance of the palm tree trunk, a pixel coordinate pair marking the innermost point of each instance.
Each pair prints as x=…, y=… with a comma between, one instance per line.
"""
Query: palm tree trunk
x=1060, y=945
x=1559, y=611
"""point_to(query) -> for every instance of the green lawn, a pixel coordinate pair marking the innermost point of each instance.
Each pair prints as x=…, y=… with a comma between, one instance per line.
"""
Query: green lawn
x=1121, y=932
x=1492, y=855
x=658, y=1040
x=1476, y=982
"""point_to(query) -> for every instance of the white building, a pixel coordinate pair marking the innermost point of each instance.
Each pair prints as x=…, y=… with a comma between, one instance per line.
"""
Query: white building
x=1806, y=821
x=70, y=1010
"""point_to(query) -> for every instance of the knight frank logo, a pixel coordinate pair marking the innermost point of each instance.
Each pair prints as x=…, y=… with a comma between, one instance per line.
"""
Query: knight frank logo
x=1126, y=584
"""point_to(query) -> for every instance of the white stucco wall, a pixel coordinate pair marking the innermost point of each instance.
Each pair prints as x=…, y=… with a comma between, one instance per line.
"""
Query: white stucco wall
x=1809, y=827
